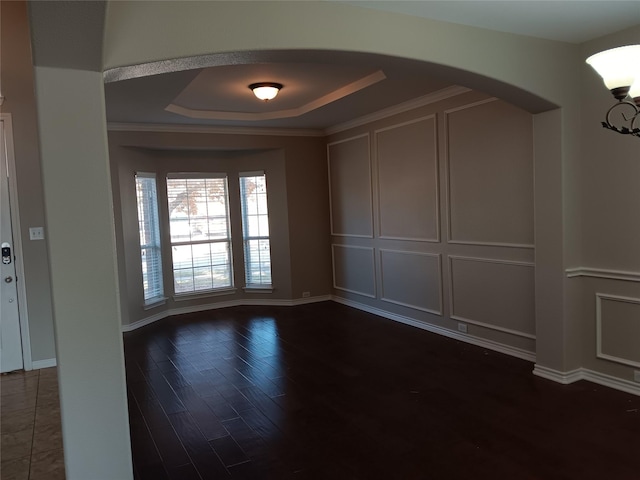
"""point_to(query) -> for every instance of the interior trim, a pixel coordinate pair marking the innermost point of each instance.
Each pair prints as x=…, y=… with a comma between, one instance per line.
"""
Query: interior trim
x=373, y=264
x=213, y=306
x=175, y=128
x=565, y=378
x=438, y=312
x=463, y=337
x=626, y=276
x=319, y=102
x=434, y=97
x=436, y=176
x=400, y=108
x=448, y=189
x=371, y=199
x=48, y=363
x=492, y=244
x=452, y=314
x=599, y=352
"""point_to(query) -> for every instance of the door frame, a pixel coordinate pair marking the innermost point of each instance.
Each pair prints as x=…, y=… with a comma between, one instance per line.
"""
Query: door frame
x=16, y=230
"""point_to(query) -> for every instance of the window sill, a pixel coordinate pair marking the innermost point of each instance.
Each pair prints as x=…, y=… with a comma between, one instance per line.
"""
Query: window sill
x=155, y=303
x=181, y=297
x=258, y=289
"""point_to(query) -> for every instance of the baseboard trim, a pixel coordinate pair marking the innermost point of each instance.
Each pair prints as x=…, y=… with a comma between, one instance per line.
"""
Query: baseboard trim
x=603, y=379
x=304, y=301
x=214, y=306
x=39, y=364
x=565, y=378
x=472, y=339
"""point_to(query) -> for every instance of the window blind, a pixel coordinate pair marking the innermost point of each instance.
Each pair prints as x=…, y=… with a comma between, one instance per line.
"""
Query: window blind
x=255, y=229
x=200, y=232
x=149, y=231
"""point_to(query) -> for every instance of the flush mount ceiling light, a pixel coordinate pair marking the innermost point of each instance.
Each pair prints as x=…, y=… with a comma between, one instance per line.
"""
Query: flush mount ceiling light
x=265, y=90
x=620, y=70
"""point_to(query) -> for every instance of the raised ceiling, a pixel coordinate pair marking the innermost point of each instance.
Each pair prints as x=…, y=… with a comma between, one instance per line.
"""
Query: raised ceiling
x=316, y=95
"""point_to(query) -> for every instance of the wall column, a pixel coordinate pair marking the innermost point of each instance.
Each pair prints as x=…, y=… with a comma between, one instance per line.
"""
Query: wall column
x=549, y=276
x=80, y=230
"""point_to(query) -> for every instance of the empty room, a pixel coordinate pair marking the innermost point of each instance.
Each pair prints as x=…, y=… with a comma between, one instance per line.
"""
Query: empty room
x=320, y=240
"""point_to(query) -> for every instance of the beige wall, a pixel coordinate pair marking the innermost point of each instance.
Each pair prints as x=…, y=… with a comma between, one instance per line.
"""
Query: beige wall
x=17, y=86
x=298, y=210
x=608, y=278
x=445, y=201
x=533, y=74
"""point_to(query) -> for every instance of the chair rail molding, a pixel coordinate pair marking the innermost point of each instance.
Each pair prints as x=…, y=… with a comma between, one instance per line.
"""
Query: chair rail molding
x=627, y=276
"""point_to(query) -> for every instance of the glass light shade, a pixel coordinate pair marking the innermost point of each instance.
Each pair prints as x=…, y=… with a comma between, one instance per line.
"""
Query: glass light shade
x=634, y=91
x=265, y=91
x=618, y=67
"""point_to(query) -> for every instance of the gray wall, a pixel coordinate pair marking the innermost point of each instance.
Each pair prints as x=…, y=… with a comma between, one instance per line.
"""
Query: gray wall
x=17, y=87
x=298, y=211
x=432, y=218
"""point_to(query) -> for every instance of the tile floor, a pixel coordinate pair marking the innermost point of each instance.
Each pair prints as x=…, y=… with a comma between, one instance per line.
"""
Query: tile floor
x=31, y=446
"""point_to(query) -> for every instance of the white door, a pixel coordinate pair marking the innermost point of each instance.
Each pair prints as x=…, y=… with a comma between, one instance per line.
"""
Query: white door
x=10, y=340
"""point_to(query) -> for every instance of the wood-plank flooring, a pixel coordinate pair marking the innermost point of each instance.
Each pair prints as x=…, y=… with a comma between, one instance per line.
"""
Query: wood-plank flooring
x=324, y=391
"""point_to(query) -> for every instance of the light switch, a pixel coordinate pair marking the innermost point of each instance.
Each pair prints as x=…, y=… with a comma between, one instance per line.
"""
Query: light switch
x=36, y=233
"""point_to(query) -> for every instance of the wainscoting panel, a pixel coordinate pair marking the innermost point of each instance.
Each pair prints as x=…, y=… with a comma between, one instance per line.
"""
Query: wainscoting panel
x=350, y=187
x=412, y=280
x=354, y=269
x=407, y=167
x=451, y=190
x=490, y=174
x=618, y=329
x=496, y=294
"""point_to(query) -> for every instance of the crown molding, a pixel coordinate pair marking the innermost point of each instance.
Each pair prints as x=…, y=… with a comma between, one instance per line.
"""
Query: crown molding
x=173, y=128
x=434, y=97
x=400, y=108
x=331, y=97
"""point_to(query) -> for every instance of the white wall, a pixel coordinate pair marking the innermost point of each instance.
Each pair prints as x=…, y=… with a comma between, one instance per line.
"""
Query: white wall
x=77, y=193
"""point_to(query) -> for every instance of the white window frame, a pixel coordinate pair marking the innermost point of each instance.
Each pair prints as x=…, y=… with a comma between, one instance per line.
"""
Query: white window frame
x=147, y=212
x=181, y=295
x=250, y=283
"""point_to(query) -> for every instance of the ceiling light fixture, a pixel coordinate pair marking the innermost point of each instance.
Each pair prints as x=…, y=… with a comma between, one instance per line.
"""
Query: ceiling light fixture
x=265, y=90
x=620, y=70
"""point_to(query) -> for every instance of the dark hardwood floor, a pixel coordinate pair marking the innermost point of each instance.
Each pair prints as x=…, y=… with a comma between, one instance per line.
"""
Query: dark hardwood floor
x=323, y=391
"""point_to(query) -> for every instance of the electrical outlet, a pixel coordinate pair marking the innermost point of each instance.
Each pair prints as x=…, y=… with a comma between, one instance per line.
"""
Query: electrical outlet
x=36, y=233
x=462, y=327
x=636, y=376
x=306, y=294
